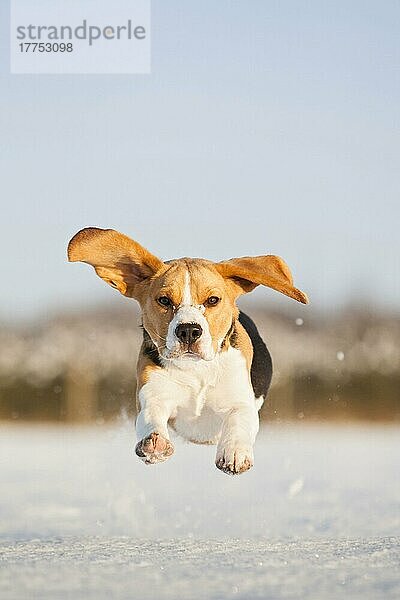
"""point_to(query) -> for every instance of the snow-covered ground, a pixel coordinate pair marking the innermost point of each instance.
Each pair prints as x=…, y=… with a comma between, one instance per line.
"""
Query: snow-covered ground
x=317, y=517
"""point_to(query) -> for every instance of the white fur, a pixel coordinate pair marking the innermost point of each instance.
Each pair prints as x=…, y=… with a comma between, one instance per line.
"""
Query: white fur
x=213, y=402
x=187, y=292
x=187, y=312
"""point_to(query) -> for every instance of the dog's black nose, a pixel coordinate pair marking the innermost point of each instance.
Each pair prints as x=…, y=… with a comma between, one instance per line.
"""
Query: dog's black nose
x=188, y=333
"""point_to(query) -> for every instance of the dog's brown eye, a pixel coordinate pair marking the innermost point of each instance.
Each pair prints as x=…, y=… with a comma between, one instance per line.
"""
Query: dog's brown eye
x=213, y=300
x=164, y=301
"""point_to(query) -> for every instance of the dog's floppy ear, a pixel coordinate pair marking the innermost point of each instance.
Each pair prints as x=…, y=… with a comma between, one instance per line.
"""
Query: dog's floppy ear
x=121, y=262
x=248, y=272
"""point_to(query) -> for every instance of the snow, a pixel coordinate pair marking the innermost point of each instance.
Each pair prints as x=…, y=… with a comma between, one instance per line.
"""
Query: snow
x=317, y=517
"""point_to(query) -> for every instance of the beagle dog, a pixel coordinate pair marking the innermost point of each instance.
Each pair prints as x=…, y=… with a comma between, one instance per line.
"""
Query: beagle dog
x=203, y=369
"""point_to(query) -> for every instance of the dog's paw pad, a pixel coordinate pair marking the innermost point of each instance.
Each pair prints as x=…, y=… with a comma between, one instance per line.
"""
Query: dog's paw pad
x=154, y=448
x=235, y=462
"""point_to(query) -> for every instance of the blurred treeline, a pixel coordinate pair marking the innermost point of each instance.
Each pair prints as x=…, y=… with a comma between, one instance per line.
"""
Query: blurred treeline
x=82, y=367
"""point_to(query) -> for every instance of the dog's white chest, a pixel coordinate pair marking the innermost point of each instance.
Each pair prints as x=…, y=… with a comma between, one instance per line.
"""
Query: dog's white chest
x=205, y=392
x=196, y=381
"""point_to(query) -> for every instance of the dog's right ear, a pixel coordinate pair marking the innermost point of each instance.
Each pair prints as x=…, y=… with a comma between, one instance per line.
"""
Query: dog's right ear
x=121, y=262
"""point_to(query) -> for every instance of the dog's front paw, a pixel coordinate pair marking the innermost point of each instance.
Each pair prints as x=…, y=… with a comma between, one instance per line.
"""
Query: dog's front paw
x=154, y=449
x=234, y=460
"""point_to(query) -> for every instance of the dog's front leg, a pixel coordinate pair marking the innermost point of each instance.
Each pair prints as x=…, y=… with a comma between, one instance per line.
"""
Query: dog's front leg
x=235, y=446
x=157, y=405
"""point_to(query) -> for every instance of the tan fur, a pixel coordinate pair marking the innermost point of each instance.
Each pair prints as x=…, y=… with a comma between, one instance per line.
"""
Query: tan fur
x=119, y=261
x=247, y=273
x=145, y=367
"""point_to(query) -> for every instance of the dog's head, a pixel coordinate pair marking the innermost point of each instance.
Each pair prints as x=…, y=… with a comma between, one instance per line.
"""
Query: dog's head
x=188, y=305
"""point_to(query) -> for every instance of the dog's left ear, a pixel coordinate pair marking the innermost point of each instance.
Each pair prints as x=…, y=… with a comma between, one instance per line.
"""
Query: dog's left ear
x=248, y=272
x=118, y=260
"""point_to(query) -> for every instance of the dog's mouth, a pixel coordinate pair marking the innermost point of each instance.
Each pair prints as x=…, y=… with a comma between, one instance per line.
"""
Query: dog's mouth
x=190, y=355
x=186, y=355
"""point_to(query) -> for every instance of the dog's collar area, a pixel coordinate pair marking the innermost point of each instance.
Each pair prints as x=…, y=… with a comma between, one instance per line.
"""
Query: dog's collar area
x=231, y=336
x=150, y=349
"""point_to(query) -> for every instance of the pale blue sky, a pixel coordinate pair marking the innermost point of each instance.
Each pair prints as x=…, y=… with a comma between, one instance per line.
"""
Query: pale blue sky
x=265, y=127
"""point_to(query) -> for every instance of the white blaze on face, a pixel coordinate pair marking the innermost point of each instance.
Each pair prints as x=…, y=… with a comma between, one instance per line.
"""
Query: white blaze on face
x=187, y=312
x=187, y=293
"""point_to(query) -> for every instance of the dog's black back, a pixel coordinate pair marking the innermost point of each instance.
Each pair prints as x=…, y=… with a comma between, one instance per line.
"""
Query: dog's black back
x=261, y=366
